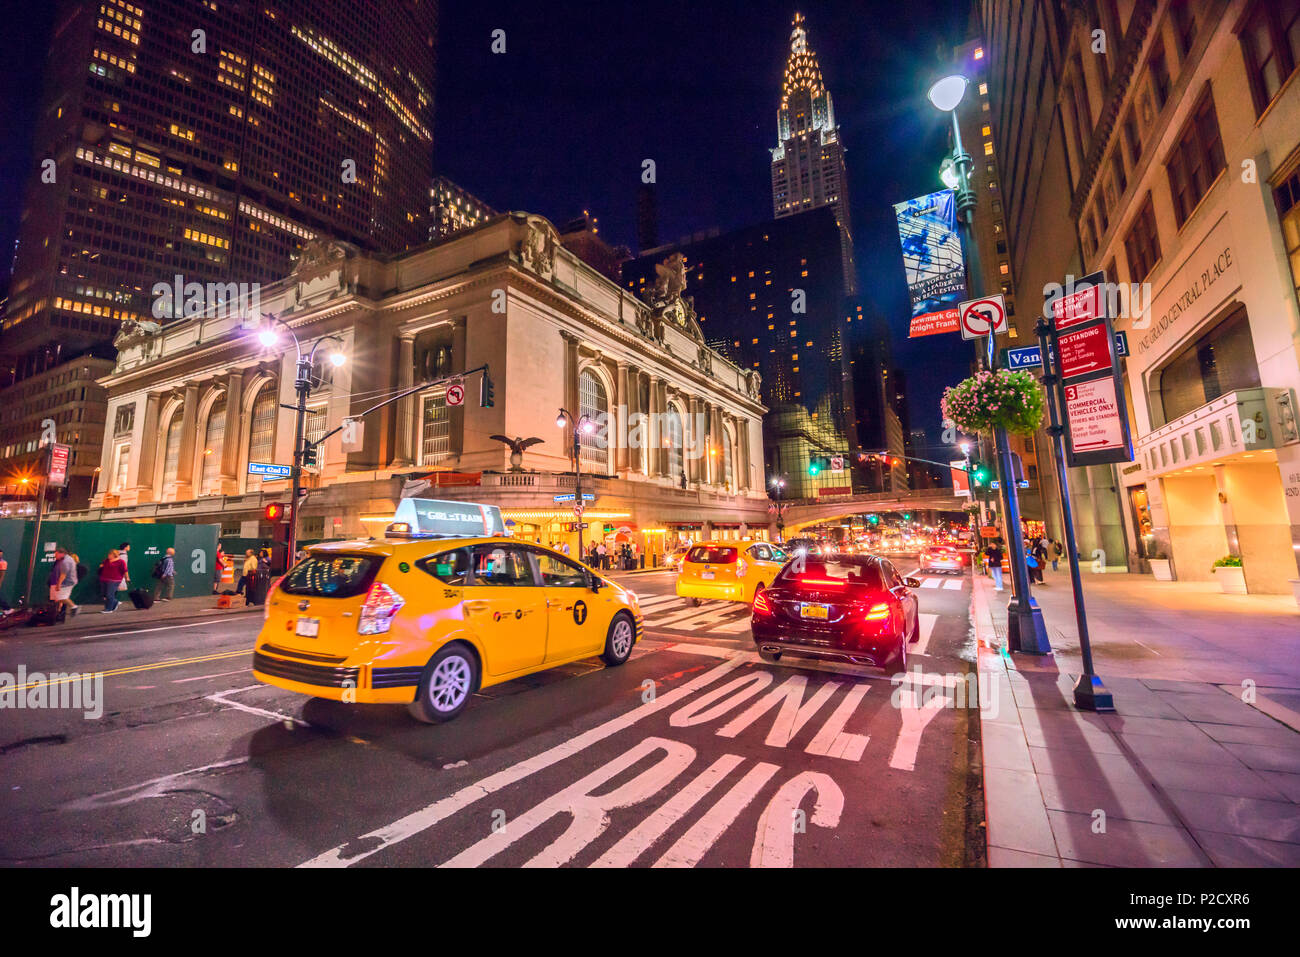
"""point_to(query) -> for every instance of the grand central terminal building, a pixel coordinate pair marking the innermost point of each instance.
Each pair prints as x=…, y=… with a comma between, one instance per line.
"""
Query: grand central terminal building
x=677, y=453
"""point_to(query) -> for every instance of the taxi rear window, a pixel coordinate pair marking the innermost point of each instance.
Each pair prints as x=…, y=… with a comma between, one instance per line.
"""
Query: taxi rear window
x=331, y=576
x=703, y=554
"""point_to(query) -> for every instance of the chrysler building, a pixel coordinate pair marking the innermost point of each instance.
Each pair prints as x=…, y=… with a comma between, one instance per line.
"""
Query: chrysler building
x=808, y=162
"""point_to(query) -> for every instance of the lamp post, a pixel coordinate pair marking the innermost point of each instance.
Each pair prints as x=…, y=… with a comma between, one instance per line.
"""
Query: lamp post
x=302, y=386
x=583, y=425
x=778, y=484
x=1026, y=631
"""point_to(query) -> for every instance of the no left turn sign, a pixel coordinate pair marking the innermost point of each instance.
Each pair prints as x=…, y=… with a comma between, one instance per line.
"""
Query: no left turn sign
x=455, y=394
x=978, y=316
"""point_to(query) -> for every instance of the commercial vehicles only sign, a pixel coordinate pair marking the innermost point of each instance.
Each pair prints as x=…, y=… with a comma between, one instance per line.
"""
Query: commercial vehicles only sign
x=1095, y=419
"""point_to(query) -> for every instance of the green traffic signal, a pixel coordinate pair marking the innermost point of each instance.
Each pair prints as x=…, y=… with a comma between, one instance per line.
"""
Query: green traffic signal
x=980, y=474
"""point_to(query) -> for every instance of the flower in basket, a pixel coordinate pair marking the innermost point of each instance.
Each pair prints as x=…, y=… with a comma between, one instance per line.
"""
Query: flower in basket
x=989, y=400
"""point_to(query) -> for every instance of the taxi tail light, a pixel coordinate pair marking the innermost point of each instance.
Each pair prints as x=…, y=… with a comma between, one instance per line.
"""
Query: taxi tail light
x=761, y=605
x=377, y=611
x=741, y=568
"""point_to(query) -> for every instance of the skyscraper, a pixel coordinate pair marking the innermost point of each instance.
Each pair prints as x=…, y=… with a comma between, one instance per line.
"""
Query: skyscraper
x=808, y=162
x=211, y=141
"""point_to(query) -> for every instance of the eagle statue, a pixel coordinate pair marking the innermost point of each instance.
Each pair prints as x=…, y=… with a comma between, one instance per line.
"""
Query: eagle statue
x=517, y=446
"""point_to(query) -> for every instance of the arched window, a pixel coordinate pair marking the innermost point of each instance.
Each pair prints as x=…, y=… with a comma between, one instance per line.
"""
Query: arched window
x=172, y=450
x=213, y=439
x=728, y=463
x=593, y=402
x=261, y=431
x=673, y=442
x=435, y=427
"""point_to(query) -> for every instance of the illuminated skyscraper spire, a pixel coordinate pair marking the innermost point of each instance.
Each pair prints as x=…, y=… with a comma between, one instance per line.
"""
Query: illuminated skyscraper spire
x=808, y=162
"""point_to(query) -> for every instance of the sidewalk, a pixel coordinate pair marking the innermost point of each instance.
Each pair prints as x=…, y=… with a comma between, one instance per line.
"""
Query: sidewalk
x=1186, y=773
x=127, y=616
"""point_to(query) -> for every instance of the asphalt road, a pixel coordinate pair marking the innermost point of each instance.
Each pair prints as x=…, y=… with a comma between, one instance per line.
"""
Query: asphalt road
x=694, y=753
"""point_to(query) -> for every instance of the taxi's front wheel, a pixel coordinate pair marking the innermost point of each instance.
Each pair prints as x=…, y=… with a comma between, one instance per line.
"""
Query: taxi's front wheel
x=618, y=643
x=449, y=679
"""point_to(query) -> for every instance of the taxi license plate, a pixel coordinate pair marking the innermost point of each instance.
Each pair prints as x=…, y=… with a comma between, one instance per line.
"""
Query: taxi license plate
x=814, y=611
x=308, y=627
x=707, y=575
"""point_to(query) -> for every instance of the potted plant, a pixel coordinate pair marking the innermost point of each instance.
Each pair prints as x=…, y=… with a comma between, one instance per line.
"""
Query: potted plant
x=1232, y=577
x=990, y=400
x=1160, y=567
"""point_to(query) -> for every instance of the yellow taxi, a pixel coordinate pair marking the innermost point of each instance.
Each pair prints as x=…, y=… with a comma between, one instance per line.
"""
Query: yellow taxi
x=441, y=606
x=729, y=571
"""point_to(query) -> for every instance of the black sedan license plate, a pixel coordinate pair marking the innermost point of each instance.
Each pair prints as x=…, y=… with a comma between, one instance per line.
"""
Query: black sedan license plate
x=810, y=610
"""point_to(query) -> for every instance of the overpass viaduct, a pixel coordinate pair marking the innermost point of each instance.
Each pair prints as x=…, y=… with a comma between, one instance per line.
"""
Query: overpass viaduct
x=802, y=512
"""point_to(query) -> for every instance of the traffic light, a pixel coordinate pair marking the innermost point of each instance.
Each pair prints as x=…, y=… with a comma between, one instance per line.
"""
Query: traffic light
x=874, y=519
x=485, y=400
x=273, y=512
x=907, y=516
x=818, y=464
x=309, y=454
x=980, y=475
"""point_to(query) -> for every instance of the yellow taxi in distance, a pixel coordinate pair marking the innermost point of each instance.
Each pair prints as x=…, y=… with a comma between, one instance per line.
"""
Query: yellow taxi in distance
x=426, y=618
x=729, y=571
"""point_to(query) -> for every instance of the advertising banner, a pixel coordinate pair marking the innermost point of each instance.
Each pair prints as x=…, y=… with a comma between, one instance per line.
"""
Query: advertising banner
x=932, y=261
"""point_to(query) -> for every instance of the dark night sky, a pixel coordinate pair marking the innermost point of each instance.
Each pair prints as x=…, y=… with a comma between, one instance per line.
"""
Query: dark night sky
x=587, y=89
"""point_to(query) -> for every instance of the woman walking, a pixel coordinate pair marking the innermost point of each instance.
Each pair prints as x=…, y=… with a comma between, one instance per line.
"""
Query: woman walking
x=113, y=578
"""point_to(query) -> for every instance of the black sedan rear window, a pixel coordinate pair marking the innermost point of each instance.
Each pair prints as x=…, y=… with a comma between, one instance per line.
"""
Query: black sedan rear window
x=711, y=555
x=847, y=569
x=331, y=576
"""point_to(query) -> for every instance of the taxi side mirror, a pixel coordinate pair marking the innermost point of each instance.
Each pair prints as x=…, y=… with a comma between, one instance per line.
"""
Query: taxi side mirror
x=912, y=582
x=593, y=582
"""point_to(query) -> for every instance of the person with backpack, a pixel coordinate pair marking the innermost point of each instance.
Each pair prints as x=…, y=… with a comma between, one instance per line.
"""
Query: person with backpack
x=63, y=576
x=113, y=577
x=165, y=571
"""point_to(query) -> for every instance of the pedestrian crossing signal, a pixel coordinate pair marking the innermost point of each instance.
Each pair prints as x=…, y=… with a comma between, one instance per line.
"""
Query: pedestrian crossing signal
x=273, y=512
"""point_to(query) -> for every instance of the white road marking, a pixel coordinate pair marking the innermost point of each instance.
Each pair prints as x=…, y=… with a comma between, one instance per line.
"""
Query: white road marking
x=249, y=709
x=145, y=631
x=154, y=787
x=739, y=626
x=224, y=674
x=425, y=818
x=656, y=600
x=915, y=718
x=704, y=833
x=774, y=842
x=931, y=583
x=953, y=585
x=926, y=622
x=696, y=618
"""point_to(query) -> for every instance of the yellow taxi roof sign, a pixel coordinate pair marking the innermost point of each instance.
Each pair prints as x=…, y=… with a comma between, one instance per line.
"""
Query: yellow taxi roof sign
x=436, y=518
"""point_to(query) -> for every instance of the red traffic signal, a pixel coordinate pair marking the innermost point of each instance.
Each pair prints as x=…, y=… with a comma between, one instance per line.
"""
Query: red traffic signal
x=273, y=512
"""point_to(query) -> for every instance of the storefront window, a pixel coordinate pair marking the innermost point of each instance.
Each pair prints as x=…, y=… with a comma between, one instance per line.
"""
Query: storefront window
x=1220, y=361
x=1141, y=513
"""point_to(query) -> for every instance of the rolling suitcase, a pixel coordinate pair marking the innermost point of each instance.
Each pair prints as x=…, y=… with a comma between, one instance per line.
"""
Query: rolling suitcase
x=141, y=598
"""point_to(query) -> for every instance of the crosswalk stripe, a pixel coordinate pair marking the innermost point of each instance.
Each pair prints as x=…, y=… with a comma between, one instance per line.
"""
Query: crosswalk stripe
x=734, y=627
x=656, y=600
x=927, y=623
x=931, y=583
x=953, y=585
x=696, y=618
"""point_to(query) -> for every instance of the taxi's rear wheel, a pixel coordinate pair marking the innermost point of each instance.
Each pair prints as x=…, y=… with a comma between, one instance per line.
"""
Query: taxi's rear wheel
x=697, y=602
x=449, y=679
x=618, y=643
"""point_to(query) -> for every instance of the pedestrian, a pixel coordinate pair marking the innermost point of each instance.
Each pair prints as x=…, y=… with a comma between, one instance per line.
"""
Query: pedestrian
x=248, y=573
x=63, y=576
x=1040, y=553
x=565, y=548
x=165, y=572
x=601, y=554
x=4, y=568
x=220, y=568
x=993, y=553
x=1056, y=551
x=113, y=577
x=1032, y=563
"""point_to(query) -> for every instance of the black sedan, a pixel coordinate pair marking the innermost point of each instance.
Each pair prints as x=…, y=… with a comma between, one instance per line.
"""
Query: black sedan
x=852, y=608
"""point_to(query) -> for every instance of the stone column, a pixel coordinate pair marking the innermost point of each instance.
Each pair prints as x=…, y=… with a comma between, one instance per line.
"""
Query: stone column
x=618, y=435
x=570, y=392
x=185, y=463
x=693, y=442
x=743, y=464
x=234, y=427
x=654, y=436
x=459, y=360
x=404, y=452
x=148, y=449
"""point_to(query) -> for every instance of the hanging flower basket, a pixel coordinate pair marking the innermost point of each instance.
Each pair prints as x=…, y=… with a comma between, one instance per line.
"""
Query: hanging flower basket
x=988, y=400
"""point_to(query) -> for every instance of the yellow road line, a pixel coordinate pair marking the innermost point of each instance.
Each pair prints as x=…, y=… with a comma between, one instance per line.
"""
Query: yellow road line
x=135, y=668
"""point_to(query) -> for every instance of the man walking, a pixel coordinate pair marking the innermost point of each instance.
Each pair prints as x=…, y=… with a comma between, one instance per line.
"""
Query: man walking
x=994, y=555
x=63, y=576
x=166, y=576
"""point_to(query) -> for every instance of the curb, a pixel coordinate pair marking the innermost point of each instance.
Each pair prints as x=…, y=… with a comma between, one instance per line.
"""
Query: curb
x=63, y=633
x=1017, y=830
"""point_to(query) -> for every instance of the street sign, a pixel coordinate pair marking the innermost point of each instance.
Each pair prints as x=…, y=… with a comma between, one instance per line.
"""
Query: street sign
x=837, y=463
x=978, y=316
x=1084, y=351
x=456, y=394
x=58, y=476
x=273, y=471
x=989, y=531
x=1026, y=357
x=354, y=435
x=568, y=497
x=1082, y=304
x=1096, y=423
x=577, y=510
x=960, y=479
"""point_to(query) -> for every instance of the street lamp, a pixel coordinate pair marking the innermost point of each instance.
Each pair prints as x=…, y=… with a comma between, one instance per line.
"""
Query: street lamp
x=269, y=337
x=583, y=425
x=1026, y=631
x=778, y=485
